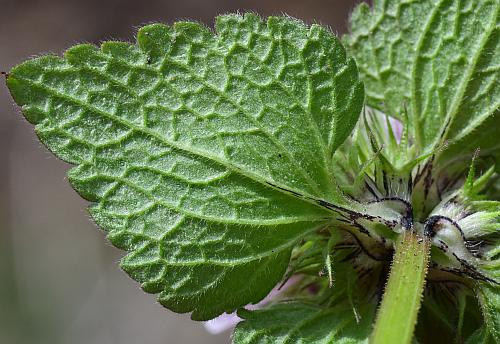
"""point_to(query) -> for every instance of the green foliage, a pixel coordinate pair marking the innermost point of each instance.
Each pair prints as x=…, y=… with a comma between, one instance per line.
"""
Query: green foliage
x=439, y=59
x=303, y=323
x=188, y=142
x=344, y=314
x=489, y=298
x=224, y=162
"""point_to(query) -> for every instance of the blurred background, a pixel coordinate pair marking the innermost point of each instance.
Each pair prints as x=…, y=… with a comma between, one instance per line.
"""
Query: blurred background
x=59, y=278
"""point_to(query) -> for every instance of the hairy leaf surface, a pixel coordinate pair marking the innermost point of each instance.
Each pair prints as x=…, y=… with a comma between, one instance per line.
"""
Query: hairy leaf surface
x=302, y=323
x=489, y=299
x=187, y=141
x=439, y=60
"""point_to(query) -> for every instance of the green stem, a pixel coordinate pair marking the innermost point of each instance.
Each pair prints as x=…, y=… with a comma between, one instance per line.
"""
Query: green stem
x=398, y=312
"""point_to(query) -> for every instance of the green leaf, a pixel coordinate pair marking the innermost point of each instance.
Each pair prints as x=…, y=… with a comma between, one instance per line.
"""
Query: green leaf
x=198, y=149
x=302, y=323
x=340, y=313
x=490, y=303
x=438, y=58
x=489, y=300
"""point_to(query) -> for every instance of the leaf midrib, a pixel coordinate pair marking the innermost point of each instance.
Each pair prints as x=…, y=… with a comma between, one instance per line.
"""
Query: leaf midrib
x=459, y=94
x=190, y=150
x=468, y=77
x=259, y=222
x=258, y=125
x=230, y=263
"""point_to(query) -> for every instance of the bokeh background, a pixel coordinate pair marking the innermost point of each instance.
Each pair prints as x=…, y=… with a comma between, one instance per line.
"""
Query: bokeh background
x=59, y=277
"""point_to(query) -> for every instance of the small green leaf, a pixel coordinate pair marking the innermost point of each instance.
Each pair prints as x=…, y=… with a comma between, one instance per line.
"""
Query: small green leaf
x=198, y=149
x=438, y=58
x=303, y=323
x=340, y=313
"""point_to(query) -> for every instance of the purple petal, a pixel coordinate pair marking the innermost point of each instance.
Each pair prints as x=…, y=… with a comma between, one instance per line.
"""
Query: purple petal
x=397, y=128
x=222, y=323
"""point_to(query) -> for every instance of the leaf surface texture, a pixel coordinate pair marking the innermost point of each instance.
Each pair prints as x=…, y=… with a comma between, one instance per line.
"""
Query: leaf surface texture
x=198, y=149
x=302, y=323
x=438, y=60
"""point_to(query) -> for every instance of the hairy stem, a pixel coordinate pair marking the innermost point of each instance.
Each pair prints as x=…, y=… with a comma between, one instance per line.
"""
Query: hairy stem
x=398, y=312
